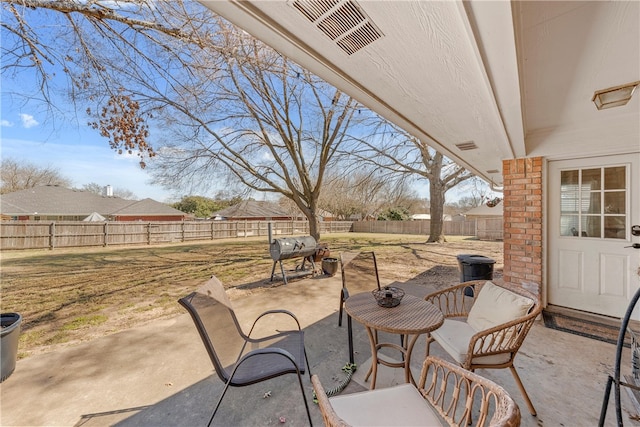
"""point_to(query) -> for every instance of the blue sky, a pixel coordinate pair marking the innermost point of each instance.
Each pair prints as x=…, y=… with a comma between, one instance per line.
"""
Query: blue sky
x=78, y=152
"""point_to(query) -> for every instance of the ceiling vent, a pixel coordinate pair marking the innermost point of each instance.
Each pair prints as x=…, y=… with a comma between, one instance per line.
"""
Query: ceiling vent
x=493, y=171
x=466, y=146
x=342, y=21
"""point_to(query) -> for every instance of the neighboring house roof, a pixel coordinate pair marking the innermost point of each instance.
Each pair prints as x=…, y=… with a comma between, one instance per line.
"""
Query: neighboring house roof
x=253, y=209
x=484, y=210
x=147, y=207
x=6, y=206
x=421, y=216
x=55, y=200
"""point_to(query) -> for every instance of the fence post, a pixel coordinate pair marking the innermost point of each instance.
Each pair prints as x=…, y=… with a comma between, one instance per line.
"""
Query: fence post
x=148, y=233
x=182, y=228
x=52, y=235
x=106, y=234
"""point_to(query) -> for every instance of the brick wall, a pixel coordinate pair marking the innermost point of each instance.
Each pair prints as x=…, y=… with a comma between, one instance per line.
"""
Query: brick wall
x=523, y=221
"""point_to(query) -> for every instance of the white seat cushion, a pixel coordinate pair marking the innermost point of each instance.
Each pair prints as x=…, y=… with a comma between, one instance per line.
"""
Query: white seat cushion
x=495, y=305
x=454, y=337
x=401, y=405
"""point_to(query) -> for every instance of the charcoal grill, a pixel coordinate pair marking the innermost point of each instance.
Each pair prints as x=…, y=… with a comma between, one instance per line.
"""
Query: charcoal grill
x=293, y=248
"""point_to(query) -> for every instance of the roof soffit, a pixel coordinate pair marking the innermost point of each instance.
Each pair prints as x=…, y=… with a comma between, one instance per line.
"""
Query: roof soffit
x=426, y=74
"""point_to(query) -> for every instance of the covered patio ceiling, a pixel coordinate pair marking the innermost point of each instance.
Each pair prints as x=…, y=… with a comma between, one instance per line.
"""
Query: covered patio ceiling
x=481, y=81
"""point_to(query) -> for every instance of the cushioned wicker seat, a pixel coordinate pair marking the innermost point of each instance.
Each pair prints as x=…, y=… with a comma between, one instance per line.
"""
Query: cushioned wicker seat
x=486, y=330
x=444, y=395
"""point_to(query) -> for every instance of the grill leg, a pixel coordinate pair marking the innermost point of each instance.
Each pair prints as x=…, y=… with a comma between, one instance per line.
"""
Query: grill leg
x=284, y=276
x=273, y=269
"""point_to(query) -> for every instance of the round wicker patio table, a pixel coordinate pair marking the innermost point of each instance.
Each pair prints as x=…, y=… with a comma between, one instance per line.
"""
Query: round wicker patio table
x=411, y=318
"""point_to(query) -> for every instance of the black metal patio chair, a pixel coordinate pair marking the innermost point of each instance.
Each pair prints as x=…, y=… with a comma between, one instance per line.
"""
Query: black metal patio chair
x=359, y=271
x=238, y=358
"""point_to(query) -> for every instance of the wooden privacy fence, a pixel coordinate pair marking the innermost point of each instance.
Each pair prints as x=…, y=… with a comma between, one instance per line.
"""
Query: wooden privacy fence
x=482, y=228
x=41, y=235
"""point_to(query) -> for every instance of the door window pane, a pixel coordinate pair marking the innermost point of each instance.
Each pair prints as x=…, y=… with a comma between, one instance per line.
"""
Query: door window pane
x=569, y=225
x=614, y=202
x=591, y=203
x=615, y=178
x=614, y=227
x=568, y=180
x=591, y=179
x=570, y=202
x=590, y=226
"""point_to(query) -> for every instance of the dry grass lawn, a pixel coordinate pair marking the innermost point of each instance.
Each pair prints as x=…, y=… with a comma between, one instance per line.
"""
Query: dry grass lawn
x=71, y=295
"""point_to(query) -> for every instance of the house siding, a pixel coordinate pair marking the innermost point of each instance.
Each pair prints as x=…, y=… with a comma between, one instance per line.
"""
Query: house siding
x=523, y=221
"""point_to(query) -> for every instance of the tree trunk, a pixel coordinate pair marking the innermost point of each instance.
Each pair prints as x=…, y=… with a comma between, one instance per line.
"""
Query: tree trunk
x=436, y=193
x=314, y=225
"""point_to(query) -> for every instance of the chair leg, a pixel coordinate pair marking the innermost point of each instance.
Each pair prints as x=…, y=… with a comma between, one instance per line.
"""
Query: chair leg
x=350, y=333
x=226, y=386
x=308, y=366
x=304, y=397
x=522, y=390
x=341, y=308
x=429, y=341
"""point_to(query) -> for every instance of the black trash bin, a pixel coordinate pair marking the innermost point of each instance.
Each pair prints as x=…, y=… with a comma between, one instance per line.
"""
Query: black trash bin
x=474, y=267
x=9, y=335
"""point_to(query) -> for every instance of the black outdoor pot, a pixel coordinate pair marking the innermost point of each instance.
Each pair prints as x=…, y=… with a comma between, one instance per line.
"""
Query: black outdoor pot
x=329, y=266
x=9, y=334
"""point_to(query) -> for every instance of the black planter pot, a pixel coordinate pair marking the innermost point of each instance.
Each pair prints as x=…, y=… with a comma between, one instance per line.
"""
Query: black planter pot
x=329, y=266
x=9, y=335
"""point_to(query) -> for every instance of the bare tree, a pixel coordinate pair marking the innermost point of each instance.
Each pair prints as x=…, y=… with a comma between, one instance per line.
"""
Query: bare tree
x=254, y=115
x=475, y=192
x=395, y=150
x=123, y=193
x=20, y=175
x=226, y=105
x=365, y=192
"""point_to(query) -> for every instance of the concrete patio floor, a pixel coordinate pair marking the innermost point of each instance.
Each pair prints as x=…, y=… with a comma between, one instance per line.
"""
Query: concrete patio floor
x=159, y=374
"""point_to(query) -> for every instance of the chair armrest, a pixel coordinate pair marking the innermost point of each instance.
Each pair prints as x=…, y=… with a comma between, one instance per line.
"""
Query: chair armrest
x=270, y=312
x=452, y=391
x=452, y=301
x=504, y=338
x=328, y=413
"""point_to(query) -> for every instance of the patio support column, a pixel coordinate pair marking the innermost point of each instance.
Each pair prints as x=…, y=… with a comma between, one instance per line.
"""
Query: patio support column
x=523, y=221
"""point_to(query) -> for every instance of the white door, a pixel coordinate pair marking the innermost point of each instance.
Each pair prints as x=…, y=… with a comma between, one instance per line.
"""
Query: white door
x=593, y=204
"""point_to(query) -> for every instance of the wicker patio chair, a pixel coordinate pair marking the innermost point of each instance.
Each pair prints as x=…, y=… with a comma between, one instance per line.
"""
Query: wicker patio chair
x=359, y=271
x=486, y=330
x=446, y=395
x=240, y=359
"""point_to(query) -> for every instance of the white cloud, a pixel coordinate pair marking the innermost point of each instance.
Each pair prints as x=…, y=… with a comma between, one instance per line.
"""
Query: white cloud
x=28, y=121
x=87, y=162
x=6, y=123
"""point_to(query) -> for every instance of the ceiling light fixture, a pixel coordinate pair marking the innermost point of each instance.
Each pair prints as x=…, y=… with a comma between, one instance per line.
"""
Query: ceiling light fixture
x=614, y=96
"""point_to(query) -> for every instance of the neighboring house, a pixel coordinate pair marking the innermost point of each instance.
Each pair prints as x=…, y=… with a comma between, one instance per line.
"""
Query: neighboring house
x=489, y=221
x=484, y=211
x=253, y=210
x=423, y=216
x=426, y=216
x=505, y=89
x=54, y=203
